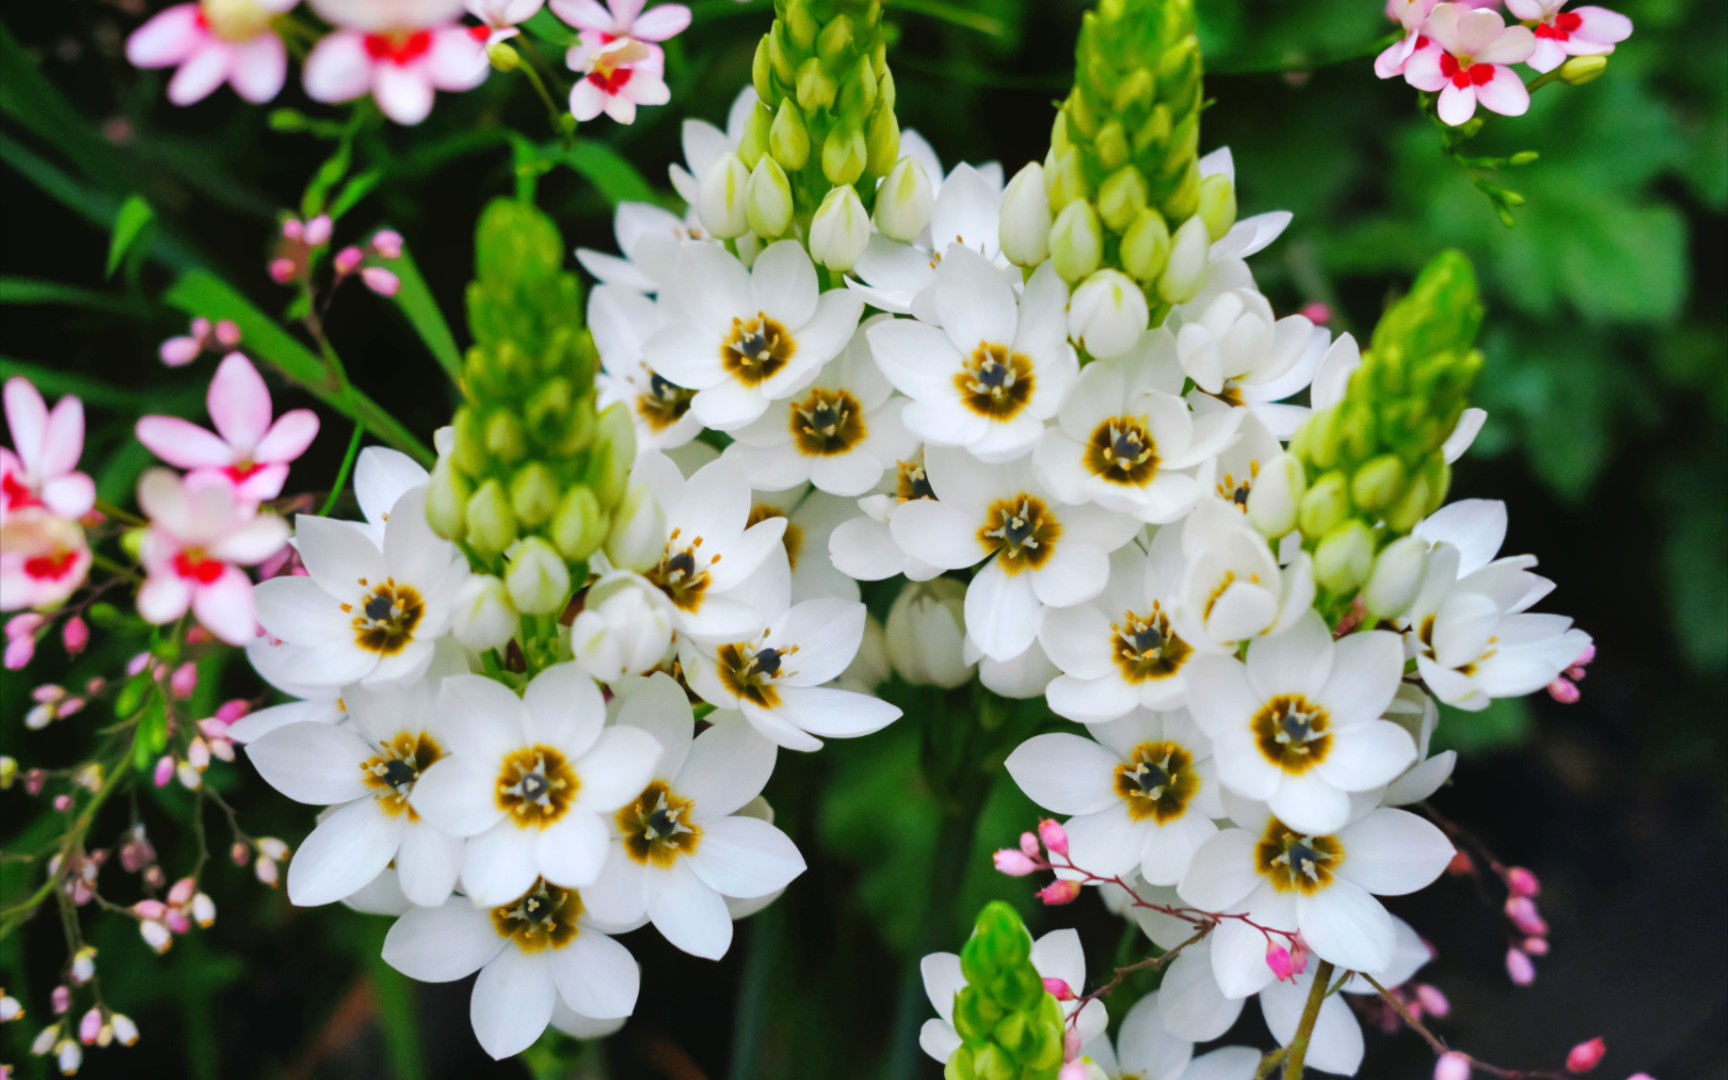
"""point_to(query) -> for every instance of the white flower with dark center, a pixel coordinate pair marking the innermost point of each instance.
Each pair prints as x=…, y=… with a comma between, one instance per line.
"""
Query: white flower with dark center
x=1056, y=955
x=1142, y=796
x=648, y=240
x=682, y=844
x=381, y=477
x=364, y=614
x=536, y=952
x=996, y=369
x=366, y=770
x=1299, y=726
x=1122, y=650
x=863, y=545
x=527, y=780
x=1232, y=587
x=1236, y=350
x=744, y=338
x=1126, y=441
x=812, y=517
x=840, y=433
x=622, y=322
x=1232, y=477
x=1039, y=553
x=775, y=678
x=1321, y=885
x=897, y=277
x=1145, y=1050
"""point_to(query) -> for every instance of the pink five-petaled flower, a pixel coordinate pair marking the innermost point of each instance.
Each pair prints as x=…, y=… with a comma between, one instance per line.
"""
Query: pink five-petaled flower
x=1589, y=31
x=616, y=76
x=43, y=560
x=215, y=42
x=199, y=538
x=1411, y=15
x=249, y=450
x=399, y=53
x=622, y=19
x=1466, y=59
x=43, y=469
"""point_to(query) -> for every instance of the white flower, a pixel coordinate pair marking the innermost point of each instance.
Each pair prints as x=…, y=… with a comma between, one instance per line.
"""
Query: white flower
x=1126, y=441
x=1056, y=955
x=1040, y=553
x=367, y=771
x=622, y=321
x=1146, y=1050
x=648, y=240
x=863, y=545
x=905, y=201
x=1024, y=677
x=1234, y=349
x=1299, y=726
x=364, y=614
x=381, y=477
x=527, y=779
x=483, y=616
x=1320, y=885
x=743, y=338
x=996, y=369
x=683, y=845
x=1238, y=467
x=811, y=517
x=1026, y=219
x=841, y=434
x=897, y=277
x=1108, y=314
x=1232, y=586
x=926, y=631
x=624, y=628
x=840, y=229
x=775, y=678
x=534, y=952
x=704, y=143
x=1142, y=796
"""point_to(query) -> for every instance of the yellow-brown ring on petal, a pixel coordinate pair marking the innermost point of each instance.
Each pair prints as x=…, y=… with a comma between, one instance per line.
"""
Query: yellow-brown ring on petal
x=1157, y=781
x=536, y=787
x=827, y=423
x=682, y=572
x=792, y=539
x=542, y=918
x=1022, y=532
x=387, y=618
x=393, y=773
x=913, y=482
x=996, y=382
x=756, y=349
x=656, y=827
x=1292, y=733
x=1146, y=650
x=662, y=404
x=1296, y=863
x=1123, y=452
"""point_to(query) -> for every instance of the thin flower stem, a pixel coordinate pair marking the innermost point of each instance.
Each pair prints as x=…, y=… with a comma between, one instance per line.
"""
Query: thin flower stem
x=1438, y=1045
x=1298, y=1057
x=1269, y=1064
x=554, y=111
x=124, y=517
x=341, y=483
x=1151, y=963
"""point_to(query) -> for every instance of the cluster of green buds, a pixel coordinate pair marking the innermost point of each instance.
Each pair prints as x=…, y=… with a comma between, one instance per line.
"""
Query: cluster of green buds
x=532, y=467
x=820, y=139
x=1360, y=475
x=1010, y=1027
x=1121, y=189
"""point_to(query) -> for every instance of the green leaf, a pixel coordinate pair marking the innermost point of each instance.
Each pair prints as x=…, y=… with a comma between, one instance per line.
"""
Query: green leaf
x=40, y=108
x=58, y=382
x=421, y=310
x=618, y=180
x=129, y=225
x=30, y=292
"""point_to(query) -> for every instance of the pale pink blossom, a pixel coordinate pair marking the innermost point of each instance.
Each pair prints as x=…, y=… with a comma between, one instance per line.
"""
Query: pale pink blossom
x=43, y=560
x=1588, y=31
x=622, y=19
x=215, y=42
x=1466, y=60
x=617, y=75
x=502, y=17
x=250, y=450
x=199, y=538
x=1411, y=15
x=400, y=53
x=42, y=468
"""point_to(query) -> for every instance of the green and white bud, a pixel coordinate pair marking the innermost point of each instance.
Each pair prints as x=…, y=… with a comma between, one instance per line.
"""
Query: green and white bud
x=1217, y=205
x=1276, y=495
x=844, y=155
x=447, y=499
x=1582, y=70
x=768, y=200
x=1396, y=577
x=481, y=614
x=788, y=139
x=1190, y=251
x=1107, y=314
x=1122, y=197
x=625, y=628
x=905, y=201
x=638, y=531
x=538, y=579
x=1076, y=242
x=926, y=634
x=1378, y=483
x=1343, y=559
x=721, y=202
x=1026, y=218
x=1323, y=506
x=1146, y=246
x=840, y=230
x=490, y=524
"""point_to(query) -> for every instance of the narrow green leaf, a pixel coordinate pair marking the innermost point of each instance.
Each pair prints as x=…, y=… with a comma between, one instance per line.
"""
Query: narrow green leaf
x=134, y=218
x=30, y=292
x=58, y=382
x=29, y=98
x=421, y=310
x=618, y=180
x=354, y=192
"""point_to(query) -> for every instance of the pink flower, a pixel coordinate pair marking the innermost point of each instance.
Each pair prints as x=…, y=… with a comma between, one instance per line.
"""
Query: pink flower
x=43, y=560
x=199, y=538
x=502, y=17
x=1589, y=31
x=1465, y=60
x=622, y=19
x=399, y=52
x=617, y=75
x=215, y=42
x=248, y=451
x=43, y=470
x=1410, y=14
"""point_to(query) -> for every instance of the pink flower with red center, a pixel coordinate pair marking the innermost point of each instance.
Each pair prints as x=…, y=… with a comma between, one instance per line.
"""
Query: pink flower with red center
x=619, y=55
x=250, y=450
x=399, y=52
x=1411, y=15
x=43, y=559
x=1465, y=59
x=199, y=538
x=215, y=42
x=42, y=470
x=622, y=19
x=1588, y=31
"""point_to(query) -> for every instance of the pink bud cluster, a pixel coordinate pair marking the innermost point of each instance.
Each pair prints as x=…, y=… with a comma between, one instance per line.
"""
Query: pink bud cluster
x=1030, y=858
x=301, y=240
x=1565, y=688
x=204, y=337
x=386, y=246
x=159, y=921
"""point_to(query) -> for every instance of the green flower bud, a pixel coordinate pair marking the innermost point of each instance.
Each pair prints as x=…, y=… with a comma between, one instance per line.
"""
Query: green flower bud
x=1146, y=246
x=1378, y=483
x=1190, y=251
x=840, y=230
x=858, y=92
x=816, y=88
x=534, y=494
x=1277, y=493
x=616, y=449
x=538, y=579
x=1076, y=242
x=844, y=154
x=768, y=200
x=1324, y=507
x=490, y=524
x=638, y=531
x=1344, y=557
x=1582, y=70
x=721, y=202
x=1396, y=577
x=505, y=441
x=581, y=525
x=503, y=58
x=1217, y=205
x=906, y=200
x=1065, y=181
x=883, y=142
x=1025, y=220
x=1122, y=197
x=758, y=132
x=788, y=140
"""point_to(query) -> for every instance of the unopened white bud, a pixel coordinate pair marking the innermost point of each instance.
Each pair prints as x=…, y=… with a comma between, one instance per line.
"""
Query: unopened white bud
x=1107, y=314
x=638, y=530
x=69, y=1056
x=83, y=966
x=624, y=629
x=1396, y=577
x=905, y=201
x=840, y=230
x=768, y=200
x=1076, y=241
x=538, y=579
x=926, y=633
x=1026, y=220
x=721, y=198
x=1190, y=250
x=125, y=1031
x=481, y=614
x=1276, y=494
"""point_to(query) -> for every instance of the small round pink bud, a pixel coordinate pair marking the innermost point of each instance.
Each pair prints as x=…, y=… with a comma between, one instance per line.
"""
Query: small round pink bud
x=387, y=244
x=1030, y=846
x=62, y=1000
x=240, y=853
x=62, y=803
x=1433, y=1002
x=1535, y=946
x=19, y=652
x=90, y=1026
x=1522, y=882
x=34, y=781
x=184, y=682
x=1013, y=863
x=227, y=334
x=1299, y=953
x=164, y=771
x=1317, y=313
x=348, y=260
x=75, y=635
x=1586, y=657
x=1452, y=1066
x=179, y=351
x=1071, y=1044
x=1586, y=1055
x=1522, y=911
x=1564, y=691
x=182, y=891
x=381, y=281
x=294, y=229
x=318, y=231
x=267, y=872
x=282, y=272
x=198, y=636
x=230, y=711
x=137, y=664
x=1054, y=836
x=1519, y=967
x=1059, y=989
x=1278, y=959
x=1058, y=893
x=149, y=909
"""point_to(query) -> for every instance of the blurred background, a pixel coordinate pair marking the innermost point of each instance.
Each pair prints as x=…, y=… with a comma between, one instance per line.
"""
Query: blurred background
x=1607, y=391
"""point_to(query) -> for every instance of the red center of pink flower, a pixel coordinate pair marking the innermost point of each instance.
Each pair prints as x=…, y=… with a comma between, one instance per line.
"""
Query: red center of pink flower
x=194, y=565
x=611, y=82
x=240, y=472
x=399, y=49
x=50, y=567
x=1466, y=73
x=1562, y=28
x=15, y=494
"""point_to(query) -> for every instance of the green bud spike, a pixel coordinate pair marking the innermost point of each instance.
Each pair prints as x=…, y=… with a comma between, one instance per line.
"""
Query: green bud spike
x=1009, y=1025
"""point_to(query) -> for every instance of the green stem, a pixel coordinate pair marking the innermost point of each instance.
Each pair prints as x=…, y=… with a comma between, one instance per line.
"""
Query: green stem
x=342, y=474
x=1298, y=1056
x=554, y=111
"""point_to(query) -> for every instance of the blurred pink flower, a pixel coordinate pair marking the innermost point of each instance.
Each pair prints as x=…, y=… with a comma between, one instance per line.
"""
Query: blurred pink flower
x=1466, y=61
x=43, y=469
x=249, y=450
x=1411, y=15
x=1588, y=31
x=502, y=17
x=215, y=42
x=400, y=53
x=199, y=538
x=43, y=559
x=617, y=76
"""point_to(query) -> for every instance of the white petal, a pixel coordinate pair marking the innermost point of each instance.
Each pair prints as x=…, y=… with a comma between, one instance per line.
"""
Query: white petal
x=728, y=765
x=691, y=915
x=428, y=863
x=1222, y=873
x=1065, y=774
x=1296, y=661
x=443, y=943
x=943, y=981
x=456, y=795
x=1393, y=852
x=1002, y=612
x=312, y=763
x=572, y=851
x=1194, y=1007
x=745, y=857
x=597, y=976
x=564, y=709
x=1344, y=924
x=345, y=852
x=512, y=1002
x=617, y=768
x=1366, y=756
x=1146, y=1047
x=500, y=865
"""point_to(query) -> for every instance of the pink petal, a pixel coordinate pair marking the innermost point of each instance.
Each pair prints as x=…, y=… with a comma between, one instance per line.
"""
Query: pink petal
x=584, y=15
x=1477, y=31
x=183, y=444
x=288, y=437
x=260, y=68
x=1422, y=70
x=338, y=68
x=624, y=14
x=180, y=351
x=239, y=403
x=225, y=607
x=1548, y=55
x=457, y=61
x=586, y=100
x=70, y=495
x=665, y=21
x=253, y=542
x=620, y=108
x=1457, y=105
x=1442, y=27
x=163, y=598
x=27, y=416
x=647, y=89
x=1528, y=10
x=1390, y=64
x=1601, y=26
x=167, y=39
x=201, y=74
x=1512, y=47
x=1505, y=93
x=264, y=482
x=63, y=437
x=403, y=93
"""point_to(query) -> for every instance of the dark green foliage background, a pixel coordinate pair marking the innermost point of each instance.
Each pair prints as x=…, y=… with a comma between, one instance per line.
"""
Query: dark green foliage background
x=1607, y=385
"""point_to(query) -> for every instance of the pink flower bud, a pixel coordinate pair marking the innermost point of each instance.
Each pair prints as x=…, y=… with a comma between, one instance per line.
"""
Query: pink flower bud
x=137, y=664
x=318, y=231
x=182, y=891
x=381, y=281
x=1030, y=846
x=1299, y=953
x=240, y=853
x=1317, y=313
x=1013, y=863
x=62, y=999
x=197, y=635
x=1522, y=882
x=1460, y=865
x=179, y=351
x=1059, y=892
x=184, y=682
x=198, y=755
x=227, y=334
x=1522, y=911
x=1433, y=1002
x=1071, y=1043
x=164, y=771
x=1059, y=989
x=1586, y=657
x=1278, y=959
x=1452, y=1066
x=34, y=781
x=230, y=711
x=90, y=1026
x=1520, y=968
x=348, y=260
x=150, y=909
x=387, y=244
x=19, y=652
x=75, y=635
x=1054, y=836
x=271, y=848
x=62, y=803
x=284, y=271
x=1586, y=1056
x=1074, y=1070
x=1564, y=691
x=266, y=872
x=156, y=935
